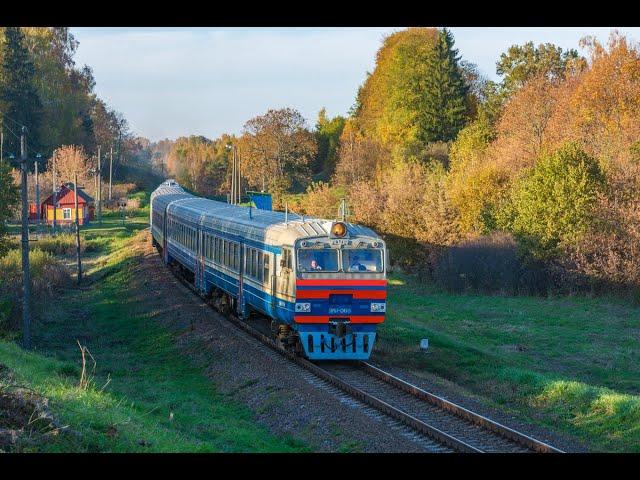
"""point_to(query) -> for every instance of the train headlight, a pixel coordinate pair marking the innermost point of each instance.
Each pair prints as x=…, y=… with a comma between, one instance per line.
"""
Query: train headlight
x=338, y=229
x=303, y=307
x=378, y=307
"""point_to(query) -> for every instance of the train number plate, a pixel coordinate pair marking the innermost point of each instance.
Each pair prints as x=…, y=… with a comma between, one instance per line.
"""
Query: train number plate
x=340, y=310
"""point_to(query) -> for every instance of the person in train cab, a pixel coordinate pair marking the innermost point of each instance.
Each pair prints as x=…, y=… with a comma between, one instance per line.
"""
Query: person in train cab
x=315, y=265
x=356, y=266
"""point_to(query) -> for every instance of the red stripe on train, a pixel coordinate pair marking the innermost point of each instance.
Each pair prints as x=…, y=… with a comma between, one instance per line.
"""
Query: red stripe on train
x=328, y=282
x=359, y=294
x=325, y=318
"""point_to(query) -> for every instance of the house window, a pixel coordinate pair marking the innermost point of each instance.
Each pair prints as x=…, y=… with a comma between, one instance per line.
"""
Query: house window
x=66, y=213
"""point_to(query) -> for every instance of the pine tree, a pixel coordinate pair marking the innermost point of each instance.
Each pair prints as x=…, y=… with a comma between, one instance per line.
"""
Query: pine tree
x=20, y=101
x=443, y=110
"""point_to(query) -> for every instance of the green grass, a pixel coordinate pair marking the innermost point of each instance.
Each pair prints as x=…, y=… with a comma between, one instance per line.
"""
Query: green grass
x=145, y=395
x=567, y=363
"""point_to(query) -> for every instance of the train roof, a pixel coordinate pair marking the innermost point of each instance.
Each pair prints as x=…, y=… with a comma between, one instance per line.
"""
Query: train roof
x=260, y=225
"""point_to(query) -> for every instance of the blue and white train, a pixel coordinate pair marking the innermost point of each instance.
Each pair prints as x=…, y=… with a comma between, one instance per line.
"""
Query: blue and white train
x=322, y=282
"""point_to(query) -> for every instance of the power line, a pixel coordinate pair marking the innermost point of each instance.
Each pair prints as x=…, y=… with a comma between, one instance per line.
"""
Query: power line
x=18, y=136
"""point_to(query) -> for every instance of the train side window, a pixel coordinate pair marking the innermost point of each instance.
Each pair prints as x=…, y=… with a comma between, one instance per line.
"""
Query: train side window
x=254, y=264
x=260, y=273
x=234, y=257
x=236, y=249
x=266, y=267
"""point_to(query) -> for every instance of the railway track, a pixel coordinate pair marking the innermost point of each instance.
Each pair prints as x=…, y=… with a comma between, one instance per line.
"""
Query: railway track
x=452, y=427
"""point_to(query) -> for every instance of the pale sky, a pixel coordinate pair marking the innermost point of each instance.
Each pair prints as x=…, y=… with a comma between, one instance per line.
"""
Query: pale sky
x=170, y=82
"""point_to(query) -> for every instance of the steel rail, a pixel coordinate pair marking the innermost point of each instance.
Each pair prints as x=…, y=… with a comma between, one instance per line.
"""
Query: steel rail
x=459, y=411
x=382, y=406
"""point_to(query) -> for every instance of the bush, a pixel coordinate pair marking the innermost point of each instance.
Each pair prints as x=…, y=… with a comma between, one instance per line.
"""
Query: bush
x=61, y=244
x=490, y=264
x=555, y=201
x=322, y=200
x=48, y=275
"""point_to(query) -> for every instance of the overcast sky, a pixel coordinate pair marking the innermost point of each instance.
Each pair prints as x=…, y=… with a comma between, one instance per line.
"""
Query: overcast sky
x=170, y=82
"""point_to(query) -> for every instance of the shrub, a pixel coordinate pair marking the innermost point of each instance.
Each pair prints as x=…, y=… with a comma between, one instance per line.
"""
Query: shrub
x=322, y=200
x=490, y=264
x=61, y=244
x=47, y=276
x=555, y=201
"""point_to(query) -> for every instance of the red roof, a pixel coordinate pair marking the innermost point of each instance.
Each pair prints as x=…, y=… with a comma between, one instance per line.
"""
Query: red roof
x=66, y=196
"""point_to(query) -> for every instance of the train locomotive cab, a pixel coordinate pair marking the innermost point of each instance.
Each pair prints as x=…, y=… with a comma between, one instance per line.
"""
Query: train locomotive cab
x=340, y=294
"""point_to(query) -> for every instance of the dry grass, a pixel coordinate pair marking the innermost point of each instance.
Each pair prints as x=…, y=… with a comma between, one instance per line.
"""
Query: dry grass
x=48, y=276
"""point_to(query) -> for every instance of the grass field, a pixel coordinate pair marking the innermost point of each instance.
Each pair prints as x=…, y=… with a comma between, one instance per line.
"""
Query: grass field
x=144, y=396
x=572, y=364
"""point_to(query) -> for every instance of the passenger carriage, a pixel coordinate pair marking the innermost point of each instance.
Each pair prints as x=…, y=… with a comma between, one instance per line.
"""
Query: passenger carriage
x=322, y=282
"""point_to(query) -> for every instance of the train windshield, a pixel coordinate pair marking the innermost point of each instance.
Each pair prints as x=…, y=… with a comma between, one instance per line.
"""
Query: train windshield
x=362, y=260
x=314, y=260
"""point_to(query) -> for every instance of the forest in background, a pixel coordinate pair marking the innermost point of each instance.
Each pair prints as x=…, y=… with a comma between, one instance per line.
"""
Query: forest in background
x=528, y=185
x=43, y=89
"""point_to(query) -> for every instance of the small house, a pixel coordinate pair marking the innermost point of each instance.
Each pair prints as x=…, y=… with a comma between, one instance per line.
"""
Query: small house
x=66, y=209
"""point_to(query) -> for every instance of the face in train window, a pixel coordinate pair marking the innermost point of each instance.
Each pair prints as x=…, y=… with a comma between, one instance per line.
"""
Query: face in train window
x=362, y=260
x=311, y=260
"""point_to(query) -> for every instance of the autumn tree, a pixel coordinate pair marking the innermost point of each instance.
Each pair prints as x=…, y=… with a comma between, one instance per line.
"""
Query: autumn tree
x=277, y=150
x=360, y=158
x=200, y=164
x=520, y=63
x=417, y=93
x=64, y=89
x=69, y=160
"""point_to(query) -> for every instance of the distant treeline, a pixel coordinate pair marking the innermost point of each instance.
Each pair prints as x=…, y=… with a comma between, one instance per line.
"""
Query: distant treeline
x=42, y=89
x=527, y=185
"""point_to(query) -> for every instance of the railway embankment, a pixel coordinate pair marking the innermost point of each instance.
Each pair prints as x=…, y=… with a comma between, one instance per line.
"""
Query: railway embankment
x=564, y=365
x=137, y=392
x=164, y=373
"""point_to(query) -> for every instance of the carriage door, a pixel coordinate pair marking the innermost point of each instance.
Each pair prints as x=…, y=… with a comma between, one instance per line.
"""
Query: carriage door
x=200, y=256
x=165, y=234
x=285, y=273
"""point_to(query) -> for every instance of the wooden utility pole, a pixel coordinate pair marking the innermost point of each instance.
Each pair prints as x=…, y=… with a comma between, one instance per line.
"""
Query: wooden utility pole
x=37, y=195
x=99, y=199
x=55, y=195
x=26, y=277
x=110, y=170
x=75, y=187
x=239, y=185
x=233, y=177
